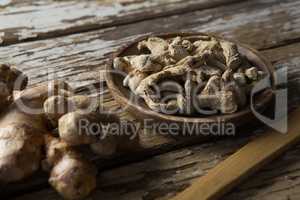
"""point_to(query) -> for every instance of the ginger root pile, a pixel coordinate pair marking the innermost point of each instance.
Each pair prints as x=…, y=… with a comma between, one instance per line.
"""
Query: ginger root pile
x=28, y=141
x=189, y=75
x=78, y=110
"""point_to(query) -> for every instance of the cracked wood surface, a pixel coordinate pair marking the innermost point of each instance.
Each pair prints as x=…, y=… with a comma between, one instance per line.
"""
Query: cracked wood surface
x=31, y=20
x=164, y=175
x=76, y=58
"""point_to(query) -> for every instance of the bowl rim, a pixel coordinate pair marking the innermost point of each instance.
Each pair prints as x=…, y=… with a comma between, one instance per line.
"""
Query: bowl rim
x=120, y=97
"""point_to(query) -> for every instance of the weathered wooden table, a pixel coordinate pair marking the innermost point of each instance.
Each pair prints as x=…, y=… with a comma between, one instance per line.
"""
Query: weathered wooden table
x=72, y=40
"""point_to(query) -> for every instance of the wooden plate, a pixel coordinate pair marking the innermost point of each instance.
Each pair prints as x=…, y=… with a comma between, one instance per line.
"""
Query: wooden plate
x=141, y=111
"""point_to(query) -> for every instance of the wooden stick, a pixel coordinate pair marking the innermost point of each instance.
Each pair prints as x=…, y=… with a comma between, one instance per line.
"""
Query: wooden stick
x=243, y=163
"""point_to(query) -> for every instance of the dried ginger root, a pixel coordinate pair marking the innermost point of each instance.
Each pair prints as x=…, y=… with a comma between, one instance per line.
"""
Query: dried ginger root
x=136, y=68
x=145, y=63
x=212, y=59
x=221, y=100
x=157, y=46
x=179, y=49
x=231, y=54
x=144, y=88
x=133, y=79
x=214, y=97
x=213, y=53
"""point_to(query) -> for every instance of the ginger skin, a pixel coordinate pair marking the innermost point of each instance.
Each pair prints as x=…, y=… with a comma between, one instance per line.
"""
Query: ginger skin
x=57, y=106
x=23, y=128
x=8, y=77
x=71, y=176
x=25, y=125
x=21, y=134
x=79, y=123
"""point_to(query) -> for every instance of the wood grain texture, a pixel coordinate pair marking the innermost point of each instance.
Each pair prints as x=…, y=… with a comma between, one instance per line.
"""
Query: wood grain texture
x=152, y=178
x=77, y=57
x=31, y=20
x=243, y=163
x=164, y=175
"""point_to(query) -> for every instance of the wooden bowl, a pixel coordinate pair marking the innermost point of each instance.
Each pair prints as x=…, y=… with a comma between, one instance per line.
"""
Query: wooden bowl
x=141, y=111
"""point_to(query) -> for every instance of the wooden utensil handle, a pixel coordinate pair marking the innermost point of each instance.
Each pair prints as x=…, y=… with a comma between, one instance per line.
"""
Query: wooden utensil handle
x=243, y=163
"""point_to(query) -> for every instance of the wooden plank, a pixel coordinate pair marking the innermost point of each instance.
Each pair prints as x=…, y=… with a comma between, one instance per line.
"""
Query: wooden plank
x=163, y=176
x=152, y=178
x=77, y=57
x=31, y=20
x=169, y=173
x=243, y=163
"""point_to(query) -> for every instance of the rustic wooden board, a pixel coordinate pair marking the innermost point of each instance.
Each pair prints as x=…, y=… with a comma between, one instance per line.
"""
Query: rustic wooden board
x=162, y=176
x=31, y=20
x=247, y=161
x=152, y=178
x=158, y=179
x=166, y=174
x=77, y=57
x=267, y=24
